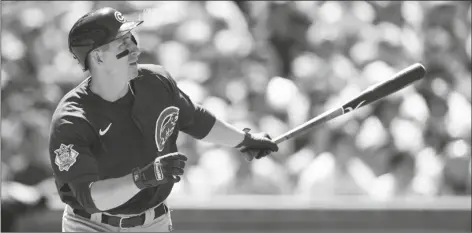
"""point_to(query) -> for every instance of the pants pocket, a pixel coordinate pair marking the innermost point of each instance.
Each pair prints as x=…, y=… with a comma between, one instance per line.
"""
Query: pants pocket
x=160, y=224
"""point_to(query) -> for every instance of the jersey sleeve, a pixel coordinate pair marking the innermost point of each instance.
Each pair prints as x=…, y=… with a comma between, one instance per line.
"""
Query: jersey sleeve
x=194, y=119
x=74, y=166
x=70, y=151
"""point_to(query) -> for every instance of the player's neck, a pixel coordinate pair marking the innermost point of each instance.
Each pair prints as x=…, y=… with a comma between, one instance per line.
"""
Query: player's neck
x=110, y=87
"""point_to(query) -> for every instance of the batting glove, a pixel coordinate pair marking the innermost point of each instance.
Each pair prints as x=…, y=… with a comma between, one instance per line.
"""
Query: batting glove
x=164, y=169
x=256, y=145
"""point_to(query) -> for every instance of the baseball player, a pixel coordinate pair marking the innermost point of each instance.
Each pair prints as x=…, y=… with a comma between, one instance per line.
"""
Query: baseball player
x=113, y=137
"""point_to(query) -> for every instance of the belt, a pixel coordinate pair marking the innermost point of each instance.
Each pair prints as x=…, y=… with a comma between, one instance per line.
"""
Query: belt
x=125, y=222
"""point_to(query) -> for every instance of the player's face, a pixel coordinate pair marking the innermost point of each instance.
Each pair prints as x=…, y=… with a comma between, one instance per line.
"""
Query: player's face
x=113, y=56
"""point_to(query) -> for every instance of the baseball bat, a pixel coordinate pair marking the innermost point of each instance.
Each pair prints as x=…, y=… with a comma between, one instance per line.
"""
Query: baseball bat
x=375, y=92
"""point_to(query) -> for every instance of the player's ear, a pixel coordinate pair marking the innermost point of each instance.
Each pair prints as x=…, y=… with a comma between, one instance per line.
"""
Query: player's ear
x=96, y=57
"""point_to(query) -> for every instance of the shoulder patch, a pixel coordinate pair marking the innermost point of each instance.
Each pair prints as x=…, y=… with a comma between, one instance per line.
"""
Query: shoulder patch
x=165, y=125
x=66, y=156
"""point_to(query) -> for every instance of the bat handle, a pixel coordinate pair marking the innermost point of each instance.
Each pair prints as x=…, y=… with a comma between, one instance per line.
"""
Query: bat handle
x=281, y=139
x=305, y=127
x=286, y=136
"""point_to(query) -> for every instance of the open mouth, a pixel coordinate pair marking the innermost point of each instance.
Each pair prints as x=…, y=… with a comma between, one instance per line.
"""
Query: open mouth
x=133, y=63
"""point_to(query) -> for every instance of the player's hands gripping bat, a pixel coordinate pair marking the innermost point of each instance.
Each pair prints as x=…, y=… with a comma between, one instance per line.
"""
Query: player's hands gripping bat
x=164, y=169
x=400, y=80
x=256, y=145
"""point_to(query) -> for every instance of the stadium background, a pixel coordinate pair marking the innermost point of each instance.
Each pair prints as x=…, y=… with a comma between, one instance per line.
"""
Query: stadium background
x=402, y=163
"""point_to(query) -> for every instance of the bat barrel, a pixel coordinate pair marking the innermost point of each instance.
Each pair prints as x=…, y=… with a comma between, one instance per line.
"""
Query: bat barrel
x=400, y=80
x=394, y=84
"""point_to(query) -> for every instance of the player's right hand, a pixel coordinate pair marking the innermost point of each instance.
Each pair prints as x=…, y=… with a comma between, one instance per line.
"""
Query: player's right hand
x=257, y=145
x=164, y=169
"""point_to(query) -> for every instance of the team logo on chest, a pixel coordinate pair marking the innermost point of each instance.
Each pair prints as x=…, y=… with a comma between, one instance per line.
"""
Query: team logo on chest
x=165, y=125
x=65, y=157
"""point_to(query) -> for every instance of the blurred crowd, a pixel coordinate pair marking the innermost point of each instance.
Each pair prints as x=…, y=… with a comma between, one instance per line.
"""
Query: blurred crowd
x=269, y=66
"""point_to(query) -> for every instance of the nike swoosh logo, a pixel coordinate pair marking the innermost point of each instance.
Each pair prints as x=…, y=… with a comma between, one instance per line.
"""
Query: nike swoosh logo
x=104, y=131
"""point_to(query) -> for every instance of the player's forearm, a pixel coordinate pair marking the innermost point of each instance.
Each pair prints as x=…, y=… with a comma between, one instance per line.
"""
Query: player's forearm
x=223, y=133
x=110, y=193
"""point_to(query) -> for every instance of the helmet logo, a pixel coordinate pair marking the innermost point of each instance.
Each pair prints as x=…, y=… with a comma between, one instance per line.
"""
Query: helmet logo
x=119, y=17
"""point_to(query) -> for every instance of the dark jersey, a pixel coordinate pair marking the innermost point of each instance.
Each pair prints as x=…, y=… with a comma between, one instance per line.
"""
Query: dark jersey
x=93, y=139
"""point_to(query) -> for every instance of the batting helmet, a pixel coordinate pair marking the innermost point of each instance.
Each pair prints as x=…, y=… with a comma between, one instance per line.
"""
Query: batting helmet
x=96, y=29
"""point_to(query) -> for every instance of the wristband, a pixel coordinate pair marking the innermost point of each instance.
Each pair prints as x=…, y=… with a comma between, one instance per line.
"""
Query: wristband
x=246, y=135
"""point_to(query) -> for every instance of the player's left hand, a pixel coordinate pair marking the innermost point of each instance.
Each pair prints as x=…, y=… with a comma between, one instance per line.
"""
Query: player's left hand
x=257, y=145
